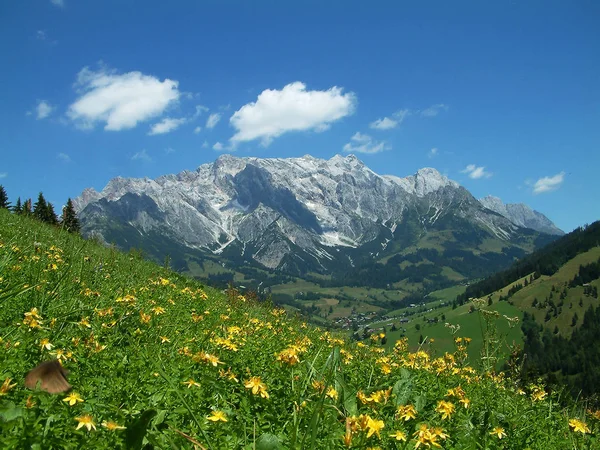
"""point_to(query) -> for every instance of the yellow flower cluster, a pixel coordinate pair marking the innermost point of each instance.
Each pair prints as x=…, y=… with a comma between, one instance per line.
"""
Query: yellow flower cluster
x=33, y=319
x=377, y=397
x=429, y=436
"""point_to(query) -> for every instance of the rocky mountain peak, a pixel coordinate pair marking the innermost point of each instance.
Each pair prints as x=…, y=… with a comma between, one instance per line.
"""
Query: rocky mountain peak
x=521, y=215
x=286, y=211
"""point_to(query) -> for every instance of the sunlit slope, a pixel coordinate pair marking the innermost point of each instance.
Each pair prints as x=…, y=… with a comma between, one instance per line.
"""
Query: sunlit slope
x=159, y=361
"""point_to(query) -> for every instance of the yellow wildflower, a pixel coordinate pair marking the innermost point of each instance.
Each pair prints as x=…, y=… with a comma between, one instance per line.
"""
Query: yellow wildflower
x=45, y=344
x=406, y=412
x=112, y=426
x=257, y=386
x=85, y=421
x=191, y=383
x=538, y=393
x=498, y=432
x=217, y=416
x=6, y=386
x=73, y=398
x=374, y=426
x=578, y=426
x=446, y=409
x=30, y=403
x=399, y=436
x=332, y=393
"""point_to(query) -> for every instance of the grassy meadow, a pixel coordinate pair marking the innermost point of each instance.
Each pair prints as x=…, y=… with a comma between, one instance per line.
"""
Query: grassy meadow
x=157, y=360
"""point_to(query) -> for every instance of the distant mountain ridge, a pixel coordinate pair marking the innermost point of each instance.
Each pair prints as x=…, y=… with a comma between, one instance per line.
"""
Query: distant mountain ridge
x=297, y=215
x=522, y=215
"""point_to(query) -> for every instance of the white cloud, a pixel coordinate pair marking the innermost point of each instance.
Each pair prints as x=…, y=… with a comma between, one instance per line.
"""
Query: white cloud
x=402, y=114
x=166, y=125
x=59, y=3
x=432, y=153
x=548, y=184
x=434, y=110
x=141, y=156
x=169, y=150
x=384, y=124
x=218, y=146
x=120, y=100
x=362, y=143
x=41, y=35
x=476, y=172
x=213, y=120
x=64, y=157
x=43, y=109
x=3, y=174
x=199, y=110
x=197, y=130
x=292, y=108
x=205, y=144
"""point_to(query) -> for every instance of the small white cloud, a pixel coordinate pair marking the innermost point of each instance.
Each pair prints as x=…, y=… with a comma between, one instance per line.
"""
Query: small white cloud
x=387, y=123
x=476, y=172
x=199, y=110
x=292, y=108
x=120, y=100
x=548, y=184
x=384, y=124
x=43, y=109
x=59, y=3
x=197, y=130
x=41, y=35
x=166, y=125
x=218, y=146
x=169, y=150
x=3, y=174
x=205, y=144
x=432, y=153
x=142, y=156
x=213, y=120
x=434, y=110
x=64, y=157
x=362, y=143
x=401, y=114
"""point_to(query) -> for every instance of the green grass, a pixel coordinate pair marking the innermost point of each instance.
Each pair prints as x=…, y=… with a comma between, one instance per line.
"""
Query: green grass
x=167, y=358
x=542, y=289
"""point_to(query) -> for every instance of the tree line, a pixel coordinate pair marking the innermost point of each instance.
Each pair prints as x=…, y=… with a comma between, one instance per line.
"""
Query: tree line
x=43, y=211
x=545, y=261
x=574, y=362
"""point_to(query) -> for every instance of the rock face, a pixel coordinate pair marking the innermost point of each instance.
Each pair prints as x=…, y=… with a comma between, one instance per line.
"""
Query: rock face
x=297, y=214
x=522, y=215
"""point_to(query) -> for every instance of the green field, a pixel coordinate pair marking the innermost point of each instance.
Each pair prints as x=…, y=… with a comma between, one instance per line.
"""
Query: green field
x=157, y=360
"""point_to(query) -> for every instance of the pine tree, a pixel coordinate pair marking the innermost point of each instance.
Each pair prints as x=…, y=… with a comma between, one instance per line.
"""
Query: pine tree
x=40, y=209
x=4, y=203
x=18, y=208
x=50, y=216
x=26, y=211
x=69, y=221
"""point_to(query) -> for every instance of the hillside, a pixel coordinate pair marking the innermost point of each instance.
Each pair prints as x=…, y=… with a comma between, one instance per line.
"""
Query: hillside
x=157, y=360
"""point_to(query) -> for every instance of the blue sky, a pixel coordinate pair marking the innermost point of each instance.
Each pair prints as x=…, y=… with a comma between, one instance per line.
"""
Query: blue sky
x=503, y=97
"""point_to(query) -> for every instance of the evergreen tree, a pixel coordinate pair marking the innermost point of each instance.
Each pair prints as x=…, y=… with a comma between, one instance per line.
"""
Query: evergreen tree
x=26, y=211
x=4, y=203
x=40, y=208
x=18, y=208
x=70, y=222
x=50, y=216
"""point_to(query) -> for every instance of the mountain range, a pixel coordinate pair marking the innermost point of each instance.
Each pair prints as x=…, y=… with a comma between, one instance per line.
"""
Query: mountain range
x=311, y=216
